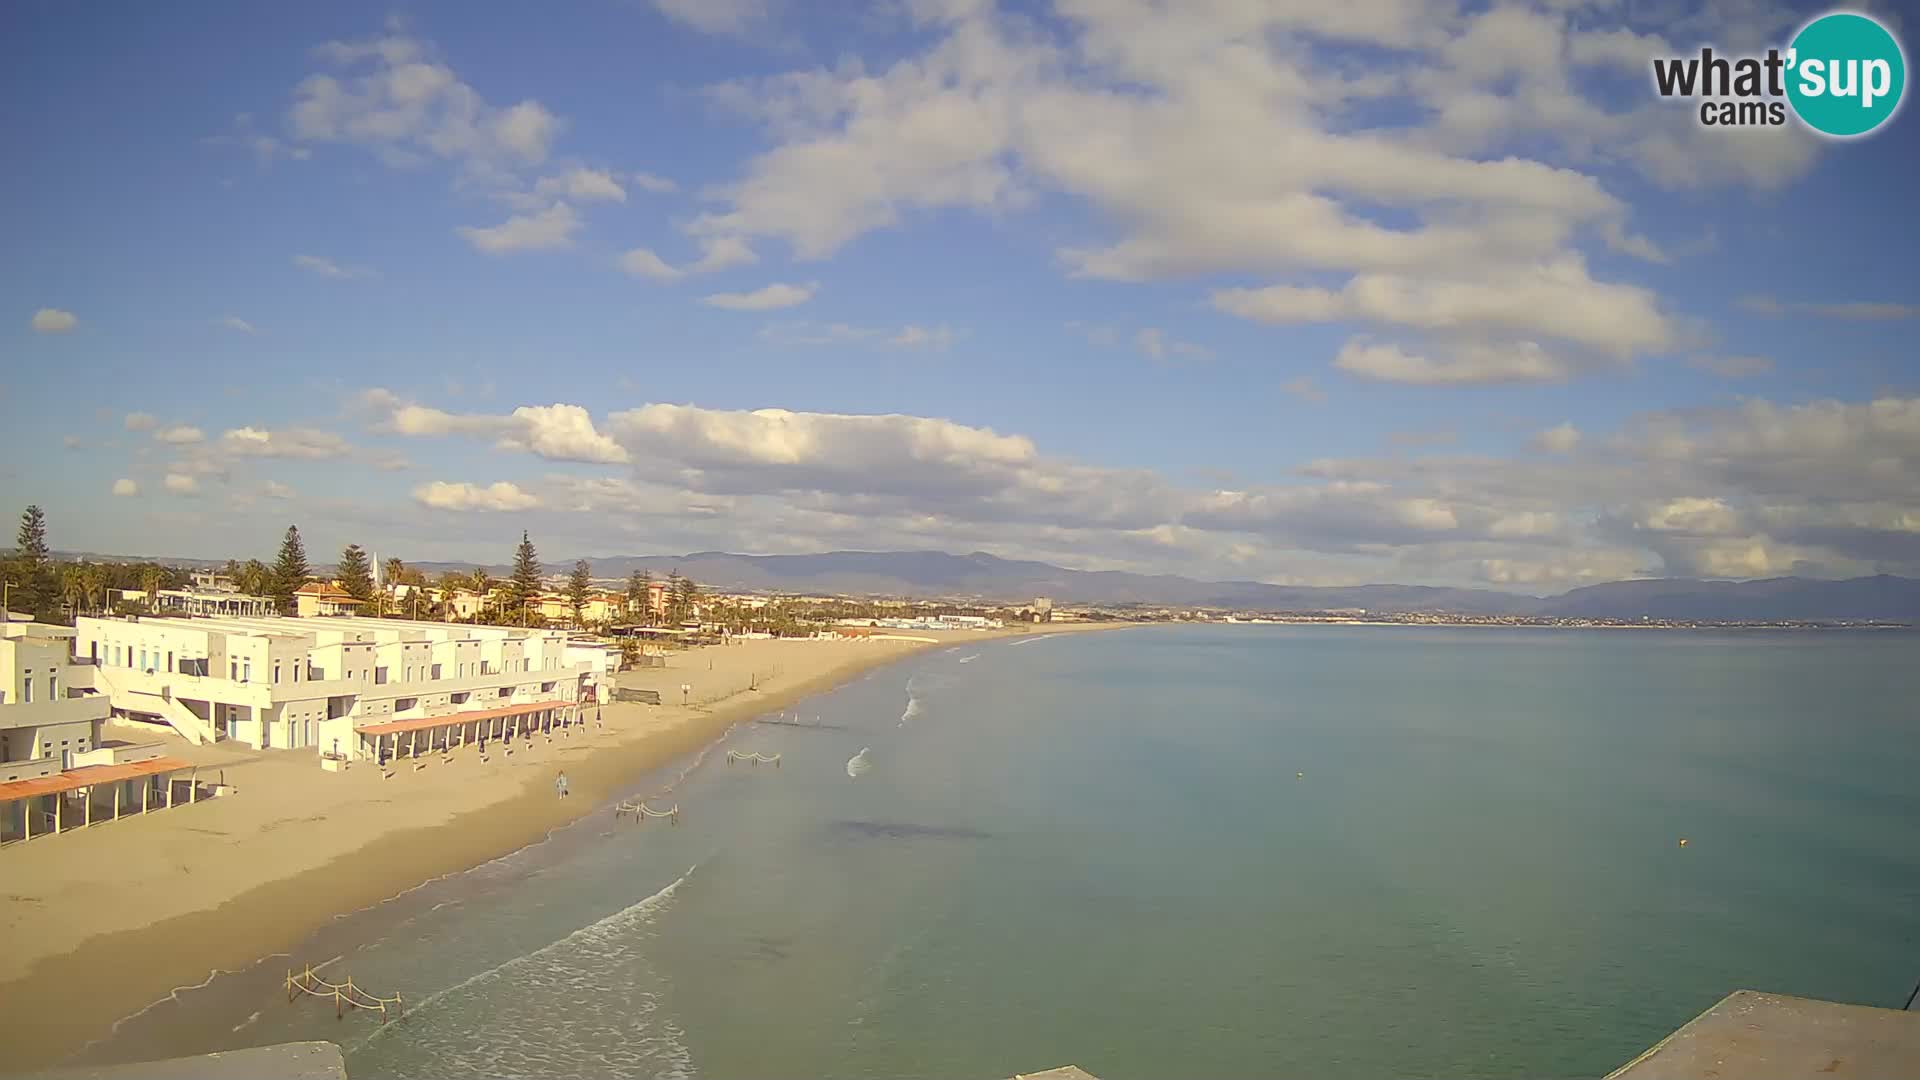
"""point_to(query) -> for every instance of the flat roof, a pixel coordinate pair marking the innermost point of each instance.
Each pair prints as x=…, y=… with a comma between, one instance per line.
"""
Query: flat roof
x=74, y=779
x=1753, y=1034
x=421, y=723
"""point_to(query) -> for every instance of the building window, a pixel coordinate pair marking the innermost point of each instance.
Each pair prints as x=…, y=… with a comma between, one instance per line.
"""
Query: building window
x=233, y=669
x=53, y=687
x=276, y=673
x=169, y=659
x=27, y=685
x=246, y=670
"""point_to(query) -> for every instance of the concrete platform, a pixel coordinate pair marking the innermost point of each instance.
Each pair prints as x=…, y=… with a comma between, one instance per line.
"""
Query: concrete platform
x=1751, y=1034
x=286, y=1061
x=1064, y=1072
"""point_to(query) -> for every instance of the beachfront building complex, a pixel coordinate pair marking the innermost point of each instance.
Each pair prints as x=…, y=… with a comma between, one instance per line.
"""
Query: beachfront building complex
x=321, y=682
x=56, y=770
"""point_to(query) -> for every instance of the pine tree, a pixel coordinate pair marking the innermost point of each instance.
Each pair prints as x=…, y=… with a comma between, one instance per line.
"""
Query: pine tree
x=686, y=599
x=640, y=597
x=579, y=587
x=290, y=569
x=356, y=574
x=30, y=569
x=525, y=583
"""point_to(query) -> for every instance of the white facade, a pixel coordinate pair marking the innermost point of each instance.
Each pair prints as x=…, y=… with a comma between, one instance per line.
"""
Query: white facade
x=49, y=719
x=280, y=683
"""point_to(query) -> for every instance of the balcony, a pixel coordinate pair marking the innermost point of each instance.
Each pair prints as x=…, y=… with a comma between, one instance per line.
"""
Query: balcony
x=79, y=710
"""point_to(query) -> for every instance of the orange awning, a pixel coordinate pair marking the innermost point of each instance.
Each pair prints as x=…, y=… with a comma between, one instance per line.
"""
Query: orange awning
x=74, y=779
x=392, y=727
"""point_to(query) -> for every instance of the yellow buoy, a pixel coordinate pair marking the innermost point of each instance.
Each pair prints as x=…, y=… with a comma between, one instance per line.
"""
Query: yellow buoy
x=1683, y=841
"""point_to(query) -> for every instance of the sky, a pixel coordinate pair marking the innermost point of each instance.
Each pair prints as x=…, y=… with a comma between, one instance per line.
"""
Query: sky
x=1382, y=290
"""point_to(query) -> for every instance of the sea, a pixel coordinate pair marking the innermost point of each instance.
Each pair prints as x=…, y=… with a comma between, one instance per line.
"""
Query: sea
x=1177, y=851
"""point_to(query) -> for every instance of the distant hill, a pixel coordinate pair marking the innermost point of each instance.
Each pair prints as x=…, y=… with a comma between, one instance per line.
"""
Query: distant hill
x=988, y=577
x=984, y=577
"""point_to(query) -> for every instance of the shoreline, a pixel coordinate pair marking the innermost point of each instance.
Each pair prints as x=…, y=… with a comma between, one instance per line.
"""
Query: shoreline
x=61, y=1002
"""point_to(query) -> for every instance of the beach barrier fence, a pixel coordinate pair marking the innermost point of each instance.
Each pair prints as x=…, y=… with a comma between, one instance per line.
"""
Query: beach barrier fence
x=345, y=995
x=640, y=811
x=753, y=757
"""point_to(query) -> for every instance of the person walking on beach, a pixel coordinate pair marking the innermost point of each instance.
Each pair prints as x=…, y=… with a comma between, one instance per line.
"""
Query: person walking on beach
x=560, y=784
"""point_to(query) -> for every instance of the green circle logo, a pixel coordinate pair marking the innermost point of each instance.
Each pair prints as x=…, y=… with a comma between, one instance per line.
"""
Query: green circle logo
x=1845, y=74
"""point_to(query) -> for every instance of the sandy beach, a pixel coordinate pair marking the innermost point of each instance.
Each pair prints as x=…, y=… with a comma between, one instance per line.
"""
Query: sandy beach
x=100, y=923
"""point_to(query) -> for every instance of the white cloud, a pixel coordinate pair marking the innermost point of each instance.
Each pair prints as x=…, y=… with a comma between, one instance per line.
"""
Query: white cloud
x=139, y=421
x=327, y=268
x=300, y=443
x=1560, y=439
x=717, y=253
x=641, y=262
x=723, y=253
x=180, y=435
x=53, y=321
x=659, y=185
x=1825, y=487
x=777, y=295
x=558, y=432
x=562, y=433
x=802, y=333
x=714, y=16
x=582, y=185
x=236, y=323
x=543, y=230
x=499, y=496
x=1304, y=388
x=1469, y=365
x=1156, y=344
x=124, y=487
x=912, y=336
x=398, y=100
x=276, y=490
x=182, y=484
x=936, y=338
x=1556, y=300
x=73, y=442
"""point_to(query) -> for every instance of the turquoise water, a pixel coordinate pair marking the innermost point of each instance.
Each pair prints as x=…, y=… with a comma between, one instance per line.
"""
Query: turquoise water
x=1101, y=849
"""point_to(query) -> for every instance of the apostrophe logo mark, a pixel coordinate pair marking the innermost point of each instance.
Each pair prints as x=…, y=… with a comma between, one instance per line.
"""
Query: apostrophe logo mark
x=1848, y=74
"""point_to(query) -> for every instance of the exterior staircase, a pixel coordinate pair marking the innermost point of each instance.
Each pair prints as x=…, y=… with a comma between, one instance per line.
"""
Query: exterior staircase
x=160, y=701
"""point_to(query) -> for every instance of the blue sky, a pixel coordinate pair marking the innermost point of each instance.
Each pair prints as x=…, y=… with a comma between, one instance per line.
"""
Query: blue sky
x=1387, y=291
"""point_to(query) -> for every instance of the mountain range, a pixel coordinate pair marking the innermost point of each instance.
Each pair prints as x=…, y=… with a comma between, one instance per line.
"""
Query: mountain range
x=935, y=574
x=984, y=577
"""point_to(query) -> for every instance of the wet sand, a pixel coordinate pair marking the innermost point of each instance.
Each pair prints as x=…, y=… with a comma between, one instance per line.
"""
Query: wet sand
x=101, y=923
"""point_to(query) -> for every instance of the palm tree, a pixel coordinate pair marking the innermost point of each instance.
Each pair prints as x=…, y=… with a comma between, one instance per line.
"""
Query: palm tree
x=150, y=582
x=483, y=584
x=253, y=578
x=92, y=580
x=73, y=585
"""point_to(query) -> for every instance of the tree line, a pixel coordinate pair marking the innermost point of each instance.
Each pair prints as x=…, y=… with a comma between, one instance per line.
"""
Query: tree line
x=59, y=591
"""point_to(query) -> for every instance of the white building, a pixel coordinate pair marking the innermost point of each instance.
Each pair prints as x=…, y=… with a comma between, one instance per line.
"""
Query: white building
x=295, y=683
x=48, y=712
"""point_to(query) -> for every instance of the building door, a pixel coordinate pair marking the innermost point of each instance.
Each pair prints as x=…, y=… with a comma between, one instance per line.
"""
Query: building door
x=66, y=760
